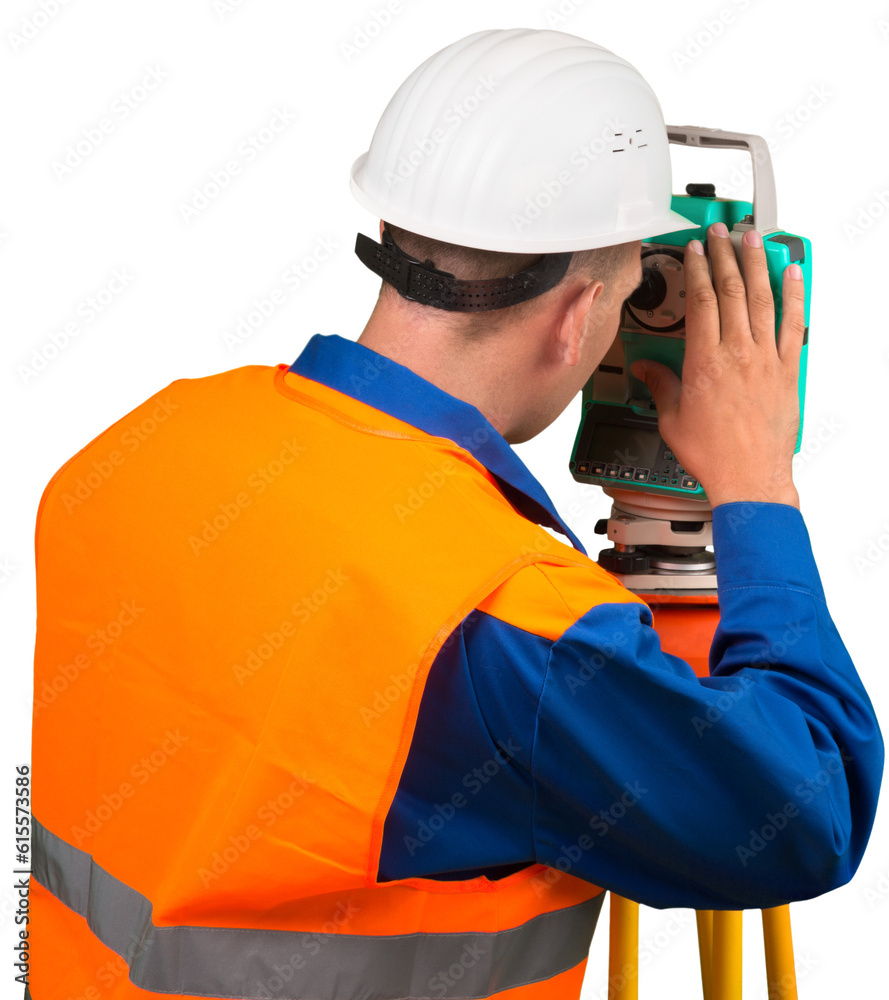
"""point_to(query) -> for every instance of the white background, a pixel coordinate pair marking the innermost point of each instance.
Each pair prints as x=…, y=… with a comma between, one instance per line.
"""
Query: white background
x=810, y=76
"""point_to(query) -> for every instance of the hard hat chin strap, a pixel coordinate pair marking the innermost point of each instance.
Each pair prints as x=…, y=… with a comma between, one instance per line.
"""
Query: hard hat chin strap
x=424, y=283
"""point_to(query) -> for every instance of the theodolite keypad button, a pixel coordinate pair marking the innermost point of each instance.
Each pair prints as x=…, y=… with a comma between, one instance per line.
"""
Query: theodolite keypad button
x=689, y=484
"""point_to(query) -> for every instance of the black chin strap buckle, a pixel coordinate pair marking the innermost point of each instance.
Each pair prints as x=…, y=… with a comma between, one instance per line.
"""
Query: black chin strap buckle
x=424, y=283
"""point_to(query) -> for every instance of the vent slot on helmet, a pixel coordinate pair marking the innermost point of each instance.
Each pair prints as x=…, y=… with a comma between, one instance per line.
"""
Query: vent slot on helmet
x=630, y=142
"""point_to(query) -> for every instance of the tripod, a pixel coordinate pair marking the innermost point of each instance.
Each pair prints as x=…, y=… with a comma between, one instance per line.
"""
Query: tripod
x=719, y=944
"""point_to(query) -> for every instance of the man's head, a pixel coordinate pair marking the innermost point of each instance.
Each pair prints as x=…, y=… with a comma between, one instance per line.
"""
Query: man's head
x=523, y=363
x=506, y=148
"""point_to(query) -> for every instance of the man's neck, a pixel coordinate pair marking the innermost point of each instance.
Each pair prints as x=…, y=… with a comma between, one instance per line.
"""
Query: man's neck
x=481, y=375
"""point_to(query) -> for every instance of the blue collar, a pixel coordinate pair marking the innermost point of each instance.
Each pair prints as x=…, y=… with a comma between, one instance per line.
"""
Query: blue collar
x=357, y=371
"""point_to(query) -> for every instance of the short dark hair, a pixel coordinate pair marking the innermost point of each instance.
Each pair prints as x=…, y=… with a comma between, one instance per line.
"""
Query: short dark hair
x=604, y=263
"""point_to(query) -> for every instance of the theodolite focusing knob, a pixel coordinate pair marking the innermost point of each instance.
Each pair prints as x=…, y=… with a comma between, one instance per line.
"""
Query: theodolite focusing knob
x=601, y=526
x=623, y=562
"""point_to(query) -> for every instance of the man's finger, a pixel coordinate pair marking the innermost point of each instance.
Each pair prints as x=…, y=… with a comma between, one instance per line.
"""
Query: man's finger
x=793, y=316
x=760, y=302
x=701, y=306
x=663, y=384
x=730, y=288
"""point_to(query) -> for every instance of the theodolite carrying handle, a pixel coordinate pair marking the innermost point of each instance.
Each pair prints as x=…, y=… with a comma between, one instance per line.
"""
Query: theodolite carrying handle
x=765, y=200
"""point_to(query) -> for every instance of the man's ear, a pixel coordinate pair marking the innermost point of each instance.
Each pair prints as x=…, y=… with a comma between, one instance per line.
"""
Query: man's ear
x=573, y=323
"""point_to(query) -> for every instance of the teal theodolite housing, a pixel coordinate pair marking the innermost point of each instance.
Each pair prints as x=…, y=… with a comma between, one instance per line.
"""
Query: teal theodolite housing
x=617, y=442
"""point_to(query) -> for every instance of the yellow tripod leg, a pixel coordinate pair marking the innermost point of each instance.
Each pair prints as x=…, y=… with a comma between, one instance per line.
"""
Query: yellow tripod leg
x=705, y=948
x=727, y=931
x=780, y=970
x=623, y=949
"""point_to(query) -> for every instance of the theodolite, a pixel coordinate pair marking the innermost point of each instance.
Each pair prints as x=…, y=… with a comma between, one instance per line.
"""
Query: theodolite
x=660, y=525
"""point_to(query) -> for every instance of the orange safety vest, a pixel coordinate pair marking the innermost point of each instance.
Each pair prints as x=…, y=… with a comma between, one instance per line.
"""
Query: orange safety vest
x=241, y=586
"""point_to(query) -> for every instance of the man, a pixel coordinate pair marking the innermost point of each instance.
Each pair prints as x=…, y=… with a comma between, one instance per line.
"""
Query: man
x=322, y=711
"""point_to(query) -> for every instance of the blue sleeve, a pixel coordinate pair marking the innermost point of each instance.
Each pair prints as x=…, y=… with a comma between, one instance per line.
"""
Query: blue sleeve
x=748, y=789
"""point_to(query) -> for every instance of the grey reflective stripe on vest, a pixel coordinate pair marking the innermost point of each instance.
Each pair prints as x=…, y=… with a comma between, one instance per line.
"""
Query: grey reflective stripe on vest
x=297, y=965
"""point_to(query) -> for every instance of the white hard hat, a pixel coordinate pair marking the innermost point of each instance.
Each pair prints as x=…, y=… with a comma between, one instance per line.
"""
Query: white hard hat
x=524, y=141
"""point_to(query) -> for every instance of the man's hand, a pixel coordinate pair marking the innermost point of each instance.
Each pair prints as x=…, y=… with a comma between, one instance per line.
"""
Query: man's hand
x=733, y=419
